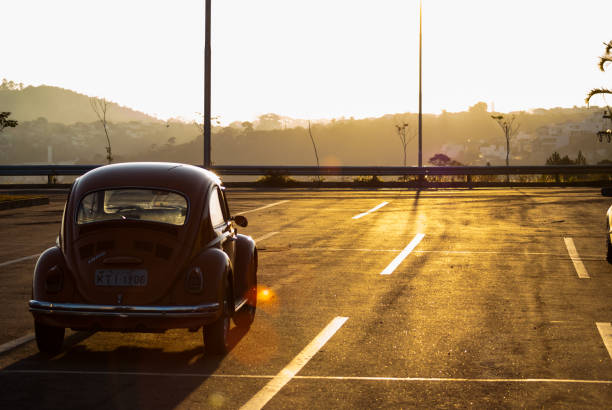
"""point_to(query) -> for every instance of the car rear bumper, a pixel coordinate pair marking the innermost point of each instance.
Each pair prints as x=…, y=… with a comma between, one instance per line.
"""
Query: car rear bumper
x=122, y=317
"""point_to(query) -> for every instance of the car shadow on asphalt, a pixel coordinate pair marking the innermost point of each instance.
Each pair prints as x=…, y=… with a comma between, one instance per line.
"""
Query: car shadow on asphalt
x=111, y=375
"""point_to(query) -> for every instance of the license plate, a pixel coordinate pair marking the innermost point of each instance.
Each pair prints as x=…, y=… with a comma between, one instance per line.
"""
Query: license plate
x=121, y=277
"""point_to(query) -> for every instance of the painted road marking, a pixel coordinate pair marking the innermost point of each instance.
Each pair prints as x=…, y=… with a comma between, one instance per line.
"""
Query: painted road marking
x=266, y=236
x=25, y=258
x=605, y=330
x=16, y=343
x=402, y=255
x=264, y=376
x=573, y=253
x=563, y=256
x=376, y=208
x=284, y=376
x=263, y=207
x=453, y=379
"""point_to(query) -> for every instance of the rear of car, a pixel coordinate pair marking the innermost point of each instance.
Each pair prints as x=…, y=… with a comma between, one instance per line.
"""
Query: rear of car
x=130, y=255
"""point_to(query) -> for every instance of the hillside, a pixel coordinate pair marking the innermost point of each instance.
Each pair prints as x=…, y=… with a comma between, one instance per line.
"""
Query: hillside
x=470, y=137
x=57, y=125
x=58, y=105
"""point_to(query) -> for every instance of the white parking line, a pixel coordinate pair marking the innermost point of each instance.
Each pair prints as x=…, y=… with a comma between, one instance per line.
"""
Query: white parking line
x=284, y=376
x=573, y=253
x=376, y=208
x=453, y=379
x=16, y=343
x=25, y=258
x=605, y=330
x=266, y=236
x=264, y=376
x=562, y=256
x=262, y=207
x=402, y=255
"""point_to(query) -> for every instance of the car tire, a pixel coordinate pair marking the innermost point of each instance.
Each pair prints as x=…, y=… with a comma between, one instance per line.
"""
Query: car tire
x=49, y=338
x=216, y=334
x=246, y=315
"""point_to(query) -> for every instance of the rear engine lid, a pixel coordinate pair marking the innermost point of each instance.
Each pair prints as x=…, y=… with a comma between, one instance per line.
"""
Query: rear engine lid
x=128, y=244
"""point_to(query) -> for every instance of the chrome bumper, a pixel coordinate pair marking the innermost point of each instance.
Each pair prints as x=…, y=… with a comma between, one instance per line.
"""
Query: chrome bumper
x=120, y=311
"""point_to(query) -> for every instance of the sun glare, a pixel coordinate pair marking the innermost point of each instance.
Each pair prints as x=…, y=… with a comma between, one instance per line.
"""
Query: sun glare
x=312, y=60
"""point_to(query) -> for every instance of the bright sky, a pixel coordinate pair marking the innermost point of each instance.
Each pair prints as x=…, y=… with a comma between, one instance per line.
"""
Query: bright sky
x=311, y=58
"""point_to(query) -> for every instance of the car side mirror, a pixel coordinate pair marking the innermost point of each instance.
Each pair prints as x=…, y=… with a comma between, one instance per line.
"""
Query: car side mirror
x=241, y=221
x=606, y=191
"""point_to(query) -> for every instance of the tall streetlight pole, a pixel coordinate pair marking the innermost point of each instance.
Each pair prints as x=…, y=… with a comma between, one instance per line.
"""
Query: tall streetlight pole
x=207, y=87
x=420, y=88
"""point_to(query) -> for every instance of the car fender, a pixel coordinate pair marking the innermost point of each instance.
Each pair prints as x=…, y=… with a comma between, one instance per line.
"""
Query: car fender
x=245, y=251
x=216, y=267
x=52, y=262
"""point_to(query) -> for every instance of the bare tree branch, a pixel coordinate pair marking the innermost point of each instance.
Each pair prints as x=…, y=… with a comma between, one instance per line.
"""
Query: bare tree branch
x=405, y=134
x=314, y=146
x=509, y=128
x=100, y=107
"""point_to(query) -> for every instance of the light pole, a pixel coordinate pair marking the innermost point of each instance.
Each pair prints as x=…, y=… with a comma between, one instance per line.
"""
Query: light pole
x=420, y=88
x=207, y=86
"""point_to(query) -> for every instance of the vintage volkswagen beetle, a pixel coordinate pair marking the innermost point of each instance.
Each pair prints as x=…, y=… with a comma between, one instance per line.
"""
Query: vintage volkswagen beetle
x=146, y=247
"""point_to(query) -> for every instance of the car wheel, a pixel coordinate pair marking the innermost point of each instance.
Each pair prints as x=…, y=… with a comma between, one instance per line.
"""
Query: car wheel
x=246, y=315
x=216, y=333
x=49, y=338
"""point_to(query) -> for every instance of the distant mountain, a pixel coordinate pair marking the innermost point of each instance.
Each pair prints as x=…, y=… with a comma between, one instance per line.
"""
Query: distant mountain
x=59, y=105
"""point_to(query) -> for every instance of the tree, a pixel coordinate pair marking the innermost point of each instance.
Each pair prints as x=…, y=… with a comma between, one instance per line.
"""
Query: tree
x=405, y=134
x=267, y=122
x=10, y=85
x=479, y=107
x=200, y=125
x=247, y=126
x=443, y=160
x=100, y=107
x=509, y=128
x=5, y=122
x=314, y=146
x=603, y=61
x=556, y=159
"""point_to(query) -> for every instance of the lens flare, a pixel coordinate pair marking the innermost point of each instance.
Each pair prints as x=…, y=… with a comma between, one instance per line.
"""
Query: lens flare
x=267, y=300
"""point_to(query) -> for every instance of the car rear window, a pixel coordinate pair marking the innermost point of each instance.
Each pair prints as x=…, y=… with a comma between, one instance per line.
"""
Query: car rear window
x=133, y=204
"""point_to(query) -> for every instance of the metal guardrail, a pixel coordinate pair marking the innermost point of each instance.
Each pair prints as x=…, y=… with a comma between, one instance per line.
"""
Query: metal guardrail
x=396, y=171
x=48, y=170
x=253, y=170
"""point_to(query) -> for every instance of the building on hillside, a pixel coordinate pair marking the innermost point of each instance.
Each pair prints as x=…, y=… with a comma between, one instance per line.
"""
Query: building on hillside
x=492, y=153
x=522, y=143
x=453, y=151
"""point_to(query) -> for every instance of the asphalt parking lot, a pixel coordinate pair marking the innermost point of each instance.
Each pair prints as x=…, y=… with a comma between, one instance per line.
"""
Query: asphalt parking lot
x=483, y=298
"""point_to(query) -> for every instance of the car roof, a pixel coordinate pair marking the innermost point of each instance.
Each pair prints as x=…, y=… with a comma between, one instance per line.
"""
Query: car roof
x=188, y=179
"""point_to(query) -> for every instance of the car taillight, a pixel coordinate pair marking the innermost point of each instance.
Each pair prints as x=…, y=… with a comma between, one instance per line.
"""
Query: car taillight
x=194, y=281
x=54, y=280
